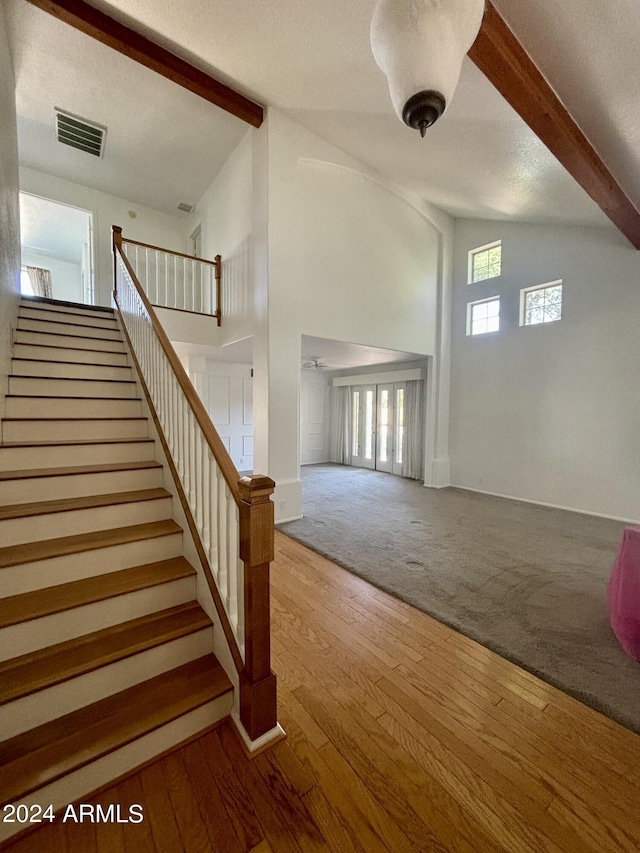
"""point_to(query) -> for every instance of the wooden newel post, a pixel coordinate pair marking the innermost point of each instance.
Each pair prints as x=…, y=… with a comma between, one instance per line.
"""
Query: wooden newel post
x=258, y=710
x=116, y=243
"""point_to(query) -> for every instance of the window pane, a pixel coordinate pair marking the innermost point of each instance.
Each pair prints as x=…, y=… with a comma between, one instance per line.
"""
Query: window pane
x=399, y=424
x=384, y=424
x=542, y=305
x=480, y=312
x=486, y=264
x=493, y=308
x=355, y=449
x=368, y=425
x=551, y=312
x=493, y=324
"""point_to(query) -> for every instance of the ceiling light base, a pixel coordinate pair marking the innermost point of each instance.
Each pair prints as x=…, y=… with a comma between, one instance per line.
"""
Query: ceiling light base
x=423, y=109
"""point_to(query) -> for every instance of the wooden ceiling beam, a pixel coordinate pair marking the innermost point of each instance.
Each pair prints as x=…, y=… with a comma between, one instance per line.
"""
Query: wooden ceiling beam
x=503, y=60
x=107, y=30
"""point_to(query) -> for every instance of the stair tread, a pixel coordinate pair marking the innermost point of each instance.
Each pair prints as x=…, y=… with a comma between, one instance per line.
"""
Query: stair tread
x=71, y=363
x=62, y=346
x=70, y=335
x=81, y=418
x=32, y=301
x=107, y=467
x=69, y=316
x=30, y=552
x=41, y=755
x=55, y=664
x=75, y=441
x=89, y=502
x=70, y=379
x=16, y=609
x=76, y=325
x=73, y=397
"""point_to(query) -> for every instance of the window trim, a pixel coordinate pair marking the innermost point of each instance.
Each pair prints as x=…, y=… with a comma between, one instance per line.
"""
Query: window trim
x=473, y=252
x=523, y=302
x=470, y=316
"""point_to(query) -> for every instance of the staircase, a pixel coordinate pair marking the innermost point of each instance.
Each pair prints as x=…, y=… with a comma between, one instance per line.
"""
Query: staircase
x=105, y=655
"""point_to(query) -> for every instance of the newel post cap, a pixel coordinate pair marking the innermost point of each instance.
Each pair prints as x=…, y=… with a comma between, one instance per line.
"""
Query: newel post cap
x=256, y=489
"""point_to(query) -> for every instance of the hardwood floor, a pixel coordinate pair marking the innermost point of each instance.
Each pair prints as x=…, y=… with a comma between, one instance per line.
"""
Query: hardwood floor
x=402, y=736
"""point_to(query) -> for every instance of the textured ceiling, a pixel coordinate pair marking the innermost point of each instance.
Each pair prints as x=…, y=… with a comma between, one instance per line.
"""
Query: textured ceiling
x=313, y=62
x=163, y=145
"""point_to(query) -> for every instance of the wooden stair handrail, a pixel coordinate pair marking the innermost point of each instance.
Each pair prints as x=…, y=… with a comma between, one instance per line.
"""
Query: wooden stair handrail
x=258, y=699
x=229, y=471
x=214, y=262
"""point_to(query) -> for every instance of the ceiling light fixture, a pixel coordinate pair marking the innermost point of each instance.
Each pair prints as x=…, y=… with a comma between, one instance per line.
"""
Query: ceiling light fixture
x=420, y=45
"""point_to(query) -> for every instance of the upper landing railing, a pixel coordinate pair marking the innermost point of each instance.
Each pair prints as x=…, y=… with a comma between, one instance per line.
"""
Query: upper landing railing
x=230, y=518
x=173, y=280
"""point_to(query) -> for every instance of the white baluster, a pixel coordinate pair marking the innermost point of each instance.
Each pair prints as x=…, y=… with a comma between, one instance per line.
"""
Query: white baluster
x=214, y=556
x=231, y=540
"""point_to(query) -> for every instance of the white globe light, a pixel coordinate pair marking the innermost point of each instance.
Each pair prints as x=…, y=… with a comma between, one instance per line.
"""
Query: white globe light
x=420, y=45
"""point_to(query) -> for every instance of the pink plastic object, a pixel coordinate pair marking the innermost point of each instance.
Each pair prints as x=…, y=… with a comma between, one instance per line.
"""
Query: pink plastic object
x=623, y=593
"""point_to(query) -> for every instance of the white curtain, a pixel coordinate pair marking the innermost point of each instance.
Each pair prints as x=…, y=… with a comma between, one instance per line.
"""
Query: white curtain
x=40, y=281
x=341, y=425
x=412, y=465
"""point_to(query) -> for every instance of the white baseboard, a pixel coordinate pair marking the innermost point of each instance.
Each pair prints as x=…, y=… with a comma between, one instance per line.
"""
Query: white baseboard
x=551, y=506
x=276, y=733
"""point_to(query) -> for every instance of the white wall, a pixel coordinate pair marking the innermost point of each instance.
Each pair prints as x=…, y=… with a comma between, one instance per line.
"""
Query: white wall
x=225, y=216
x=315, y=243
x=9, y=211
x=349, y=257
x=315, y=417
x=550, y=413
x=149, y=226
x=66, y=278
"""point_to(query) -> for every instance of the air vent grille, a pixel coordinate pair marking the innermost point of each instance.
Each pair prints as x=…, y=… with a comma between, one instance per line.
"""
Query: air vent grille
x=79, y=133
x=184, y=207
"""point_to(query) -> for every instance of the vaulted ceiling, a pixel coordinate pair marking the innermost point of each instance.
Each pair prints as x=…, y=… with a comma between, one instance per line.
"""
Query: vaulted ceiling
x=313, y=62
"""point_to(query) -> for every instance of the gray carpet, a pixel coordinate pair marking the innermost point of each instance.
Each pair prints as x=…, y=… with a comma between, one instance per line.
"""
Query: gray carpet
x=528, y=582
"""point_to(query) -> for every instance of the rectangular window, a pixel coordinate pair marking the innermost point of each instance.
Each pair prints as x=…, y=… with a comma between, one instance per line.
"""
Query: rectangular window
x=485, y=262
x=541, y=304
x=483, y=316
x=355, y=420
x=368, y=425
x=399, y=424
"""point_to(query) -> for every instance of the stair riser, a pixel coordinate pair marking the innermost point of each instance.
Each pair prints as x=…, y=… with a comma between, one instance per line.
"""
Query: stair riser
x=76, y=786
x=45, y=369
x=51, y=353
x=17, y=531
x=59, y=456
x=67, y=317
x=79, y=485
x=38, y=633
x=63, y=387
x=40, y=574
x=60, y=699
x=76, y=310
x=52, y=340
x=59, y=430
x=53, y=328
x=53, y=407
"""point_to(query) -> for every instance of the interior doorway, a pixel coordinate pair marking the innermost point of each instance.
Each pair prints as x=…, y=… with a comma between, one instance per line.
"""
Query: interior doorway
x=377, y=426
x=56, y=243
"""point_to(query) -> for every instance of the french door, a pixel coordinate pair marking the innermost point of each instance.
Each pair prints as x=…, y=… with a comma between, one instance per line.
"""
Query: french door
x=377, y=426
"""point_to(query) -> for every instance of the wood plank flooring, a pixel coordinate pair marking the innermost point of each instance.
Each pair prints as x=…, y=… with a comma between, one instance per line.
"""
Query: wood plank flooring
x=402, y=736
